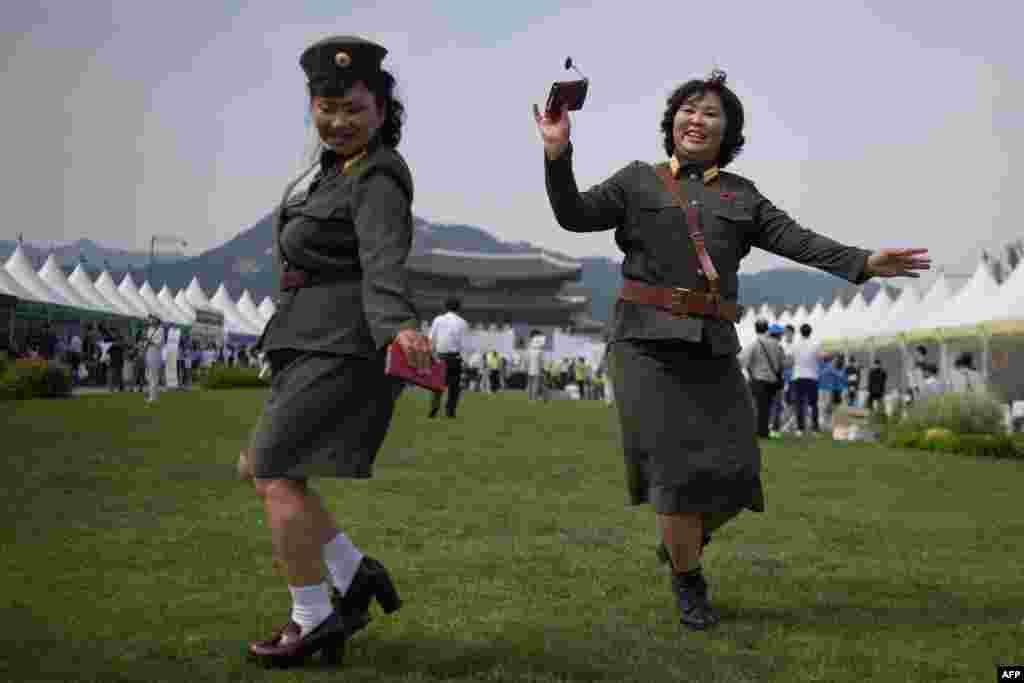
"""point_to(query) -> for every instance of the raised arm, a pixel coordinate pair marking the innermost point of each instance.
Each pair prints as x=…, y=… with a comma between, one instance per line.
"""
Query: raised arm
x=603, y=207
x=780, y=234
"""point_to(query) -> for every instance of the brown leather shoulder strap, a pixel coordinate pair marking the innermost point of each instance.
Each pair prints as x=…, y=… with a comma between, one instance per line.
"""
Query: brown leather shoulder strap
x=693, y=223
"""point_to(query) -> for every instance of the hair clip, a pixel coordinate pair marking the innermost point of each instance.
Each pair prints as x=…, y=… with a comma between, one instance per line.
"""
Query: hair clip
x=717, y=77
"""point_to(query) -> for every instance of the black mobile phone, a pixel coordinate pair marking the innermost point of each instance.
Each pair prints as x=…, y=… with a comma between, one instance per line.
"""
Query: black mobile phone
x=568, y=93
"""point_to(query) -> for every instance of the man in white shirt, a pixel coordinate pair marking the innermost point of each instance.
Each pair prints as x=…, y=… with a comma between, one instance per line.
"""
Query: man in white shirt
x=448, y=338
x=535, y=367
x=171, y=349
x=806, y=354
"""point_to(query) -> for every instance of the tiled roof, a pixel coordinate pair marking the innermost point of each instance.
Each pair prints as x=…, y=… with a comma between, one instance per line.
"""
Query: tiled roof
x=477, y=265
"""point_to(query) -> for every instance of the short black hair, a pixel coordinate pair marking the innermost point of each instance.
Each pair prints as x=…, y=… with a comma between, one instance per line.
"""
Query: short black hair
x=732, y=141
x=761, y=326
x=790, y=328
x=965, y=360
x=805, y=330
x=452, y=304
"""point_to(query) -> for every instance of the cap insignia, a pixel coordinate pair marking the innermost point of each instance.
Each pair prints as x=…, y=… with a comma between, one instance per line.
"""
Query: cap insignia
x=343, y=60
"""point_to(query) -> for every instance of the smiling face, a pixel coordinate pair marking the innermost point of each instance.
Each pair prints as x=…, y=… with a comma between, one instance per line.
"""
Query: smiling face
x=346, y=124
x=698, y=128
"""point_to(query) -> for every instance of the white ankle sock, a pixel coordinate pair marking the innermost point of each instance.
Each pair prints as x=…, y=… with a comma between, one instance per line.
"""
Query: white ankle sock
x=311, y=605
x=342, y=558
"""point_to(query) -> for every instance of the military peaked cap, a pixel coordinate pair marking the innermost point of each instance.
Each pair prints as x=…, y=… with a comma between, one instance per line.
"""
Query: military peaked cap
x=333, y=64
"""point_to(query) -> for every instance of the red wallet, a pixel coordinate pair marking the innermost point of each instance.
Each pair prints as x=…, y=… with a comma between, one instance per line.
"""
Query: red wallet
x=432, y=378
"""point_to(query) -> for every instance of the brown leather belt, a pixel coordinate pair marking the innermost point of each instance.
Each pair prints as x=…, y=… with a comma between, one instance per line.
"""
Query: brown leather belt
x=681, y=303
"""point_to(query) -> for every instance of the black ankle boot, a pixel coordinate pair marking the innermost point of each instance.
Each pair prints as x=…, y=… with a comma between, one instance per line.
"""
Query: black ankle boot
x=665, y=558
x=695, y=610
x=371, y=581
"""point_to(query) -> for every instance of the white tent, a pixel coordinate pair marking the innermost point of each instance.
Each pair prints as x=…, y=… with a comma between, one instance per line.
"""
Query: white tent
x=968, y=306
x=169, y=303
x=1008, y=303
x=128, y=290
x=80, y=282
x=816, y=314
x=247, y=307
x=233, y=320
x=196, y=297
x=830, y=321
x=184, y=305
x=167, y=314
x=936, y=297
x=8, y=285
x=848, y=326
x=106, y=288
x=877, y=312
x=799, y=316
x=267, y=308
x=21, y=270
x=52, y=275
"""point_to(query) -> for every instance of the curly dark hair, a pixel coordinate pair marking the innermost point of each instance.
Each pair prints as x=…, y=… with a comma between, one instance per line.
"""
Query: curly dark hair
x=382, y=84
x=732, y=141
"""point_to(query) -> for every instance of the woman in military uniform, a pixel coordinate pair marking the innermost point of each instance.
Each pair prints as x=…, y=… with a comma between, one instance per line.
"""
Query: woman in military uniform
x=684, y=225
x=341, y=248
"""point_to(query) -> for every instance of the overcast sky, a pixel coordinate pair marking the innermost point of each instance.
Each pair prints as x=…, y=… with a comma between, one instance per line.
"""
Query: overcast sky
x=877, y=123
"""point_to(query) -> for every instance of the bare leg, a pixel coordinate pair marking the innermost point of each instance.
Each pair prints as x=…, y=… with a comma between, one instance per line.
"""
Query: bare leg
x=682, y=535
x=296, y=528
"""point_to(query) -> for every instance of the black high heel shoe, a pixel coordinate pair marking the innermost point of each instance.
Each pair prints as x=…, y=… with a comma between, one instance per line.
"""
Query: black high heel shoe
x=371, y=581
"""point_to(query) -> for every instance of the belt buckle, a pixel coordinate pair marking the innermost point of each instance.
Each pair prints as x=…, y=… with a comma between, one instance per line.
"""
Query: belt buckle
x=680, y=300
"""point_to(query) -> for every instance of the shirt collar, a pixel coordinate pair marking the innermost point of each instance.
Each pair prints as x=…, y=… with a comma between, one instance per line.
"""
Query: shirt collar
x=329, y=158
x=708, y=169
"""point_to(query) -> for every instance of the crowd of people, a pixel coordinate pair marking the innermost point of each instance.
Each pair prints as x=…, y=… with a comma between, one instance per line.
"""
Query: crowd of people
x=797, y=385
x=98, y=355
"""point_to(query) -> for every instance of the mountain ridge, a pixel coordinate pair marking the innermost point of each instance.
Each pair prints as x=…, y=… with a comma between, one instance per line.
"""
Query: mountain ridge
x=244, y=262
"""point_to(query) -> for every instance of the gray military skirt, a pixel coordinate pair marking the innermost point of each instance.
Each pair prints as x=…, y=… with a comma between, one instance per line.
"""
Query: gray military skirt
x=688, y=429
x=327, y=416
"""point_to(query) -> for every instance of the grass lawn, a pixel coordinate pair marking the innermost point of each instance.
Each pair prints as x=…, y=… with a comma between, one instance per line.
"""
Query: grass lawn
x=130, y=553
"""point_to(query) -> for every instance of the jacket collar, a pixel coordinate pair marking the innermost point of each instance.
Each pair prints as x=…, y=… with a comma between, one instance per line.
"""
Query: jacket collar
x=707, y=169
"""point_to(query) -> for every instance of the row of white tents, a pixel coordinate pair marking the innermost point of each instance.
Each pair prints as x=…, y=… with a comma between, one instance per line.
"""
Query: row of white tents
x=103, y=296
x=981, y=307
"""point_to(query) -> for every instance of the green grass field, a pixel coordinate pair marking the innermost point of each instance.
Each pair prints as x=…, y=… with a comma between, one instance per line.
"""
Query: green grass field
x=130, y=553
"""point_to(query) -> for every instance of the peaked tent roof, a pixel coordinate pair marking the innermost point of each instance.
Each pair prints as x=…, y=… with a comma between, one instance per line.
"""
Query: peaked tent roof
x=196, y=297
x=81, y=283
x=128, y=290
x=184, y=305
x=21, y=270
x=168, y=301
x=267, y=308
x=105, y=286
x=52, y=275
x=964, y=308
x=8, y=285
x=248, y=310
x=167, y=314
x=233, y=320
x=848, y=325
x=938, y=295
x=1008, y=304
x=878, y=310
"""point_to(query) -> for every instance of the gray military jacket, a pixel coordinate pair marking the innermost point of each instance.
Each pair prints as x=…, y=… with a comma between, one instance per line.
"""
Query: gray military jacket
x=651, y=231
x=352, y=232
